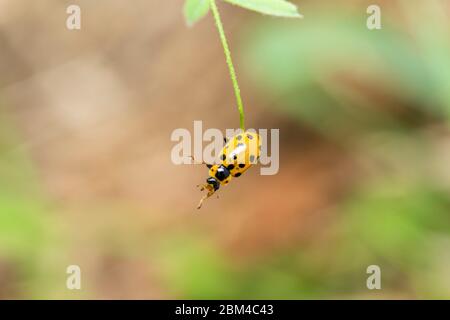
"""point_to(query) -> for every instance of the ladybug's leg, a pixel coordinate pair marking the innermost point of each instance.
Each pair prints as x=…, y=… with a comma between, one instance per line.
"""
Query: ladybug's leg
x=202, y=186
x=202, y=162
x=209, y=194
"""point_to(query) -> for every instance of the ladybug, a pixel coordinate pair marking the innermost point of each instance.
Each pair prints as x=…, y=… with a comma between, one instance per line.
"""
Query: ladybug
x=237, y=156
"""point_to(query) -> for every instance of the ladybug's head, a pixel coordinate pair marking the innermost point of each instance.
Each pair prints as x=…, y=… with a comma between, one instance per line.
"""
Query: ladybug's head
x=213, y=183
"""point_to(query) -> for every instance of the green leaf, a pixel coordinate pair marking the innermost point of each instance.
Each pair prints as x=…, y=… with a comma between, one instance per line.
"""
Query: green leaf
x=279, y=8
x=194, y=10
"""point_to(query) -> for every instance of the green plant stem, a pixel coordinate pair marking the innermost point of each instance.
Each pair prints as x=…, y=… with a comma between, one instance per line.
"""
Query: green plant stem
x=227, y=52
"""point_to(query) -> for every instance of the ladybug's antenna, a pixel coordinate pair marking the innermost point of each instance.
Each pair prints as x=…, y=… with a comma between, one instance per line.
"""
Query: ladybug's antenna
x=201, y=201
x=200, y=162
x=209, y=194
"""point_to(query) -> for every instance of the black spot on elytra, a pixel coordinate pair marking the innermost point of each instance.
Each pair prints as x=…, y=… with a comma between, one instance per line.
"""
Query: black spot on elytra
x=241, y=165
x=223, y=157
x=230, y=167
x=235, y=157
x=237, y=175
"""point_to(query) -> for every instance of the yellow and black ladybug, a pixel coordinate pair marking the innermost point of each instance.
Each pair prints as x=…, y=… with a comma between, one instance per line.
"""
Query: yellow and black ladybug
x=238, y=154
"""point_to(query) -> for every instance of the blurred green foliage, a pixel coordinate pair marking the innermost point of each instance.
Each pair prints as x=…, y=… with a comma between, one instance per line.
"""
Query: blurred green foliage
x=27, y=233
x=322, y=69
